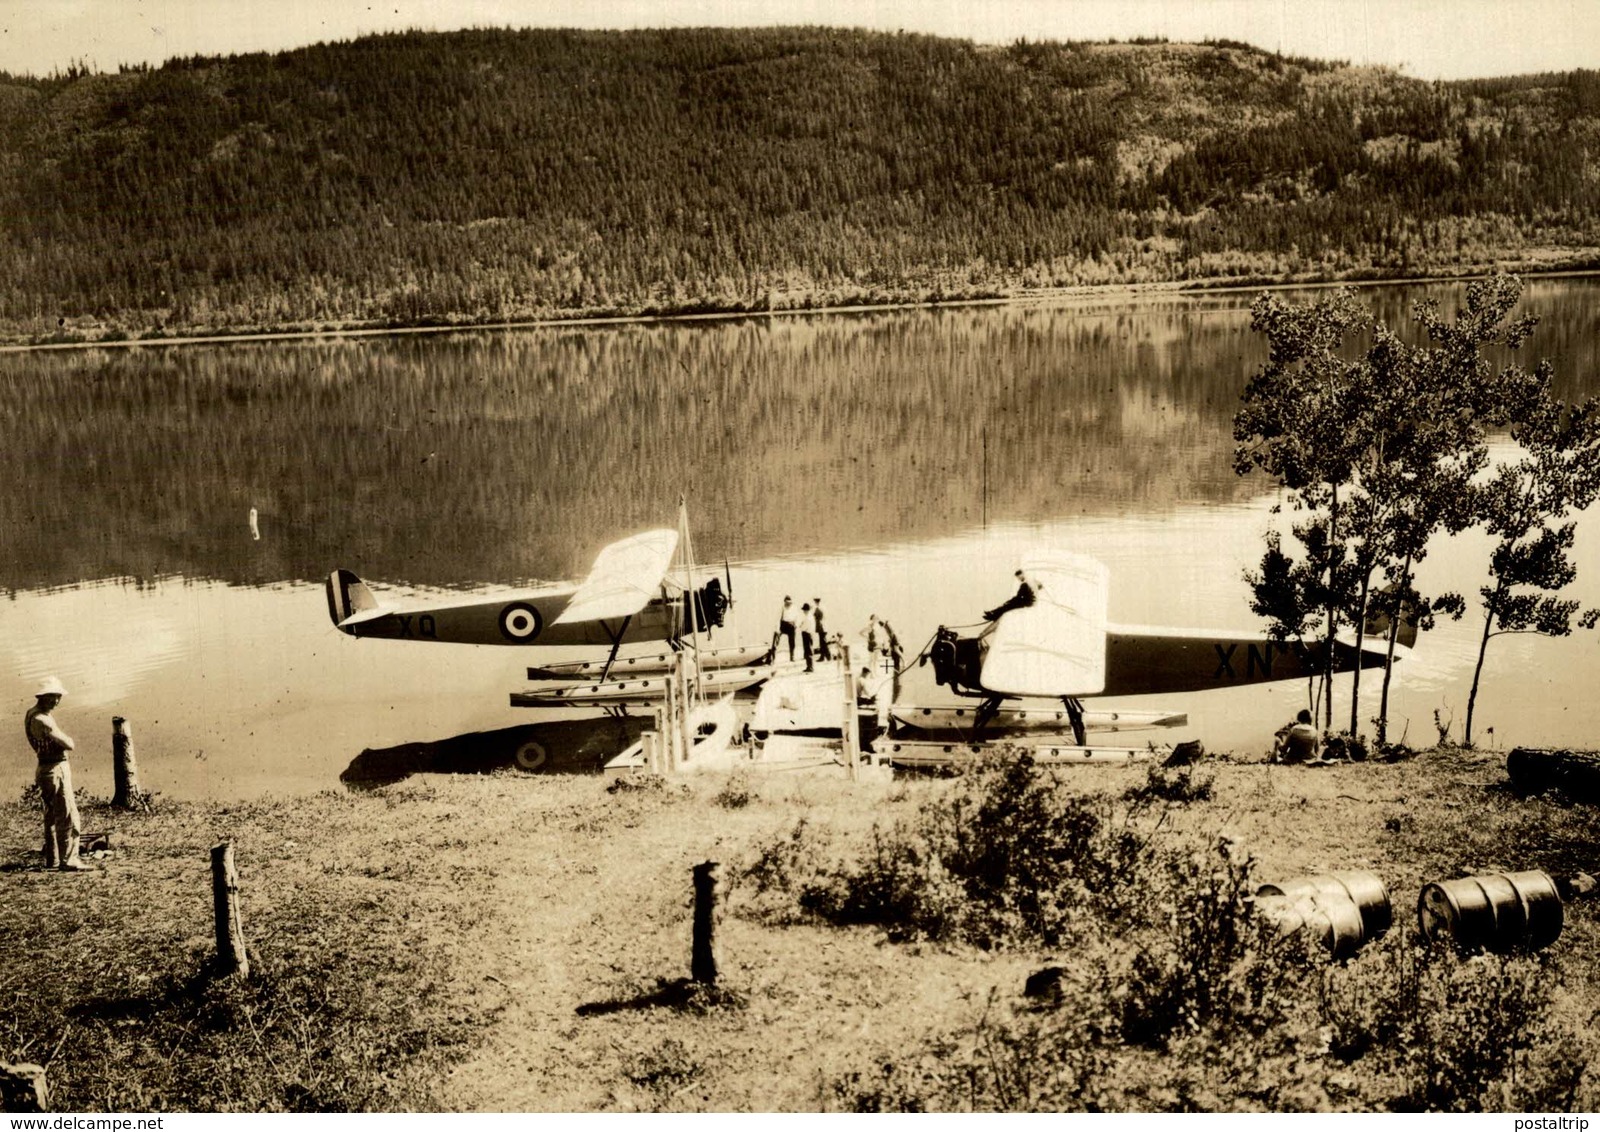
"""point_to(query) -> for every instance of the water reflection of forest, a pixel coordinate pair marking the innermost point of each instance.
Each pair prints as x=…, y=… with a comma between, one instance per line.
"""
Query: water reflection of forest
x=514, y=455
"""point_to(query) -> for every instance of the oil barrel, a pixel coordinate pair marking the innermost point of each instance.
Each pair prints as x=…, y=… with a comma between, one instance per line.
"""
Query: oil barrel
x=1496, y=912
x=1335, y=920
x=1365, y=890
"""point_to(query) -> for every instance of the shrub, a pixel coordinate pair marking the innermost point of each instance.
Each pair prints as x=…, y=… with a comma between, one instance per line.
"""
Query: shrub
x=1214, y=960
x=1009, y=857
x=1179, y=784
x=735, y=793
x=1008, y=1061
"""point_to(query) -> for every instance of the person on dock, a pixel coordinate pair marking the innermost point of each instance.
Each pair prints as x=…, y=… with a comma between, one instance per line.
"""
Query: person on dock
x=52, y=746
x=822, y=633
x=1019, y=600
x=876, y=690
x=1297, y=742
x=787, y=621
x=808, y=634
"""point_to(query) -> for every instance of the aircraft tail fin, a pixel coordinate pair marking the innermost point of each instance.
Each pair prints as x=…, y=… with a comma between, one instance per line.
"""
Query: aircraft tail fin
x=348, y=596
x=1377, y=624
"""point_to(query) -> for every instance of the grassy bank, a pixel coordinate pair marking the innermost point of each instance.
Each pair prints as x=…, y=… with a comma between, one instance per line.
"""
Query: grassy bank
x=503, y=943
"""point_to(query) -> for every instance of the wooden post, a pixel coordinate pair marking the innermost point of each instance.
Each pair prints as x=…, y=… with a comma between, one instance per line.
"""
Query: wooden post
x=703, y=958
x=669, y=718
x=852, y=728
x=125, y=768
x=231, y=957
x=22, y=1088
x=685, y=725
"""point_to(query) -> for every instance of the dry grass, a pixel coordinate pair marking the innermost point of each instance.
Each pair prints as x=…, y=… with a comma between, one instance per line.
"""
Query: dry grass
x=510, y=943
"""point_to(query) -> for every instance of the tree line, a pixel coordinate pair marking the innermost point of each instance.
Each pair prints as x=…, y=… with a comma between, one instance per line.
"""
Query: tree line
x=481, y=176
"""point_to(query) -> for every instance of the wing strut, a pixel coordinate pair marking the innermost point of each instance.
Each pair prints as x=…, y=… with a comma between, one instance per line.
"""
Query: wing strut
x=987, y=709
x=616, y=643
x=1075, y=717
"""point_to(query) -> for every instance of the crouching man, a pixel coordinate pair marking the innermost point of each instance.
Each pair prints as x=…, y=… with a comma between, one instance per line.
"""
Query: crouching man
x=1297, y=742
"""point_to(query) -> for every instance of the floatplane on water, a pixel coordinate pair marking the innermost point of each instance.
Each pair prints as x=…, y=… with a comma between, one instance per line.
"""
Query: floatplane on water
x=630, y=596
x=1024, y=675
x=1058, y=644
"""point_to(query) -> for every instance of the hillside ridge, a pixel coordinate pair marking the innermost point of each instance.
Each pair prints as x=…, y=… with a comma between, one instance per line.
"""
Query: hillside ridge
x=486, y=177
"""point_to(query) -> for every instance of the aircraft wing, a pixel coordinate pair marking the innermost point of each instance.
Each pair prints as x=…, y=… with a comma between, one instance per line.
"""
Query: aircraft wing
x=1057, y=645
x=625, y=576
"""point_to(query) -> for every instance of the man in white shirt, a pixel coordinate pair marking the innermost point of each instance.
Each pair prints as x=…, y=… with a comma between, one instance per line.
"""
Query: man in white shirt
x=52, y=746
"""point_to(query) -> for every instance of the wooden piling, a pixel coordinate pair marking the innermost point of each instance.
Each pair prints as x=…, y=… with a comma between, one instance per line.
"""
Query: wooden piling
x=685, y=723
x=670, y=731
x=231, y=957
x=703, y=956
x=125, y=768
x=851, y=745
x=22, y=1088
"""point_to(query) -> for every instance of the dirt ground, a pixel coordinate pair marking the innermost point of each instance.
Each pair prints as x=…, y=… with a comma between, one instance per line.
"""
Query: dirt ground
x=533, y=920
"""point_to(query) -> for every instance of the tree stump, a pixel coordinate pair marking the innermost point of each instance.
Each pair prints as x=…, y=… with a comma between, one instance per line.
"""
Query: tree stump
x=231, y=957
x=1534, y=770
x=22, y=1088
x=703, y=957
x=125, y=767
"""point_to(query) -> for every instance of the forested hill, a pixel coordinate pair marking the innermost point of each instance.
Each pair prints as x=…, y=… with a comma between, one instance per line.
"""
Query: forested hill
x=497, y=175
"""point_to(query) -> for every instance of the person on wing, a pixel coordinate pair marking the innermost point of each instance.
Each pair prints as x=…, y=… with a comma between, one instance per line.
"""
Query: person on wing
x=788, y=622
x=808, y=634
x=822, y=632
x=1019, y=600
x=1297, y=742
x=54, y=777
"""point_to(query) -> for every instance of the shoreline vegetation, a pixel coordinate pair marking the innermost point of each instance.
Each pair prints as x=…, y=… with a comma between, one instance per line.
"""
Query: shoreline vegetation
x=503, y=942
x=493, y=178
x=1128, y=292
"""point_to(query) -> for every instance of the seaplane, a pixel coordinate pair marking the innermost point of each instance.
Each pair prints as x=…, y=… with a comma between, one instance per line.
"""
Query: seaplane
x=629, y=596
x=1054, y=642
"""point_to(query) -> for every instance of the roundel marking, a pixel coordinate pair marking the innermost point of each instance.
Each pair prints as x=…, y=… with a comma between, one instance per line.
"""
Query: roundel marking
x=520, y=622
x=531, y=755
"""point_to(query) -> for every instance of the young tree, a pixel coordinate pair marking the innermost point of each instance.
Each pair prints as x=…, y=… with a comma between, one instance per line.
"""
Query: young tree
x=1522, y=505
x=1300, y=423
x=1379, y=447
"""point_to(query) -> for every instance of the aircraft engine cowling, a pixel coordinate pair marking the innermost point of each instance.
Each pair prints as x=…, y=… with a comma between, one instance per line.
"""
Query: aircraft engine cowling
x=957, y=661
x=710, y=607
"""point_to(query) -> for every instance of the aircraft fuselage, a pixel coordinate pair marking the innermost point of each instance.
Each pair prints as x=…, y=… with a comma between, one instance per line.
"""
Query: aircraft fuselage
x=1140, y=663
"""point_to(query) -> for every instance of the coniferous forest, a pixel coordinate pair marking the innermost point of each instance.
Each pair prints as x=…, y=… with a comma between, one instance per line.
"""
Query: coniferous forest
x=489, y=176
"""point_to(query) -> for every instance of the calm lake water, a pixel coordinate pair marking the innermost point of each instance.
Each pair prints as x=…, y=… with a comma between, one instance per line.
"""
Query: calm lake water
x=895, y=462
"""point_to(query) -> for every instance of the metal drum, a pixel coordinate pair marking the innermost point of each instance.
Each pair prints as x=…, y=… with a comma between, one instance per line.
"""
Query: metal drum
x=1335, y=920
x=1497, y=912
x=1365, y=890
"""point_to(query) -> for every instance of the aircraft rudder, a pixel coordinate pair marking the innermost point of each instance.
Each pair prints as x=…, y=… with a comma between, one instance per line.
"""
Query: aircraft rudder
x=347, y=596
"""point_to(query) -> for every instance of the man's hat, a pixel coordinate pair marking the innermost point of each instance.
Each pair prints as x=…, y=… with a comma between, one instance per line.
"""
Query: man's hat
x=50, y=686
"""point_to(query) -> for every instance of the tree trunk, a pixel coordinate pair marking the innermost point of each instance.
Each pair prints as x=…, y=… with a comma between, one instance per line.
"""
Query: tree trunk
x=1361, y=636
x=1533, y=770
x=1333, y=615
x=1477, y=671
x=1388, y=657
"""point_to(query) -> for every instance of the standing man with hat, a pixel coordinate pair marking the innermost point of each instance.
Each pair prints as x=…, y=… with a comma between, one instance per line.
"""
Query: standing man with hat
x=52, y=745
